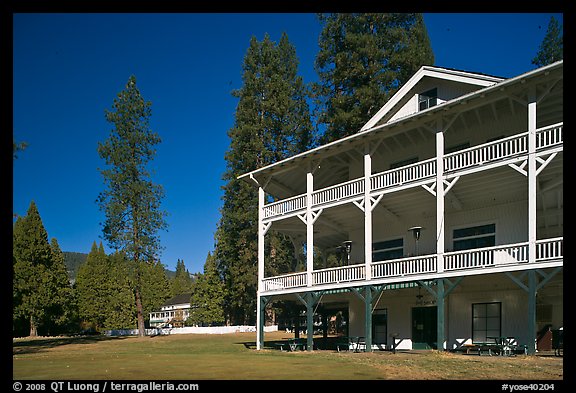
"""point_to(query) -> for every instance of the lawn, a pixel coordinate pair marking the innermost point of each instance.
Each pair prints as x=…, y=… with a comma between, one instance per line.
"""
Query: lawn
x=233, y=357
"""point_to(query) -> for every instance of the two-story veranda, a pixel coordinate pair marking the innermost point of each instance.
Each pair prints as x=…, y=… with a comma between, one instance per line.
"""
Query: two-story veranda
x=477, y=162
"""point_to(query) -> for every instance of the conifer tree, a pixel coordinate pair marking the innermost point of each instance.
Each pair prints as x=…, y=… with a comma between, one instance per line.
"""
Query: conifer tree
x=122, y=312
x=60, y=300
x=40, y=286
x=552, y=47
x=364, y=59
x=131, y=201
x=156, y=288
x=207, y=298
x=182, y=283
x=272, y=121
x=94, y=288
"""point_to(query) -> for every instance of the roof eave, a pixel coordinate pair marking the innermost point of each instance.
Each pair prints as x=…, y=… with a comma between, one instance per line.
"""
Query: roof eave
x=441, y=107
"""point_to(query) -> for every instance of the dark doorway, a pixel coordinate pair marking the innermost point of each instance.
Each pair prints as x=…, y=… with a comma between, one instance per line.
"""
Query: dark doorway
x=380, y=326
x=424, y=327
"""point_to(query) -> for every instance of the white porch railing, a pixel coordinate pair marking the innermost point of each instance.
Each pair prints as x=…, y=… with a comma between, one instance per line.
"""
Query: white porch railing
x=404, y=266
x=549, y=136
x=339, y=274
x=292, y=280
x=285, y=206
x=547, y=250
x=406, y=174
x=338, y=192
x=504, y=148
x=487, y=153
x=484, y=257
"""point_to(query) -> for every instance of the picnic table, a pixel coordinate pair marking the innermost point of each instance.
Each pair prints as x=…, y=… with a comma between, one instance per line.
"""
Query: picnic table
x=295, y=343
x=350, y=343
x=502, y=346
x=292, y=344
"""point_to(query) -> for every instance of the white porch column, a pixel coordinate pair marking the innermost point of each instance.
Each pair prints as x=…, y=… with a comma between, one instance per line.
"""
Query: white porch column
x=367, y=214
x=309, y=228
x=532, y=177
x=440, y=200
x=261, y=233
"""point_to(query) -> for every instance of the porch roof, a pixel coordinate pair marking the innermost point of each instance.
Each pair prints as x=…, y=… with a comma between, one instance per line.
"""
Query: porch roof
x=447, y=108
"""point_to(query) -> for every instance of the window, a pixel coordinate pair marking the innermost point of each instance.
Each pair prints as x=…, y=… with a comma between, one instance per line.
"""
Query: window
x=474, y=237
x=390, y=249
x=428, y=99
x=486, y=321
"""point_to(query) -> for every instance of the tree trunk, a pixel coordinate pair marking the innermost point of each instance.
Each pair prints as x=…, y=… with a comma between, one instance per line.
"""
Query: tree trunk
x=140, y=314
x=33, y=327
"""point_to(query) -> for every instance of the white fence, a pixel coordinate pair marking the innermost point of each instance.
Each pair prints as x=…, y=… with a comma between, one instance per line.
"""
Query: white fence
x=191, y=330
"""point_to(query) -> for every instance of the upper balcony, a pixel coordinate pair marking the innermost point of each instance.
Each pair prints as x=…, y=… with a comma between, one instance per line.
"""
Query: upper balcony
x=505, y=151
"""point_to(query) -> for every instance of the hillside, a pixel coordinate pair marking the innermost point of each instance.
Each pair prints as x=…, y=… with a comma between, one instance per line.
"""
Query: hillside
x=73, y=261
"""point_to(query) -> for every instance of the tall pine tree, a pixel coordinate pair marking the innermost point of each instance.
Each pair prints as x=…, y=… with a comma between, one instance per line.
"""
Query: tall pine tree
x=182, y=283
x=364, y=59
x=131, y=201
x=207, y=300
x=552, y=47
x=40, y=287
x=272, y=121
x=94, y=287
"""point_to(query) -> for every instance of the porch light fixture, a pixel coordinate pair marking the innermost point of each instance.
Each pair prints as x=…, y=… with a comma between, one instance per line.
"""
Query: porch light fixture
x=416, y=231
x=347, y=247
x=419, y=297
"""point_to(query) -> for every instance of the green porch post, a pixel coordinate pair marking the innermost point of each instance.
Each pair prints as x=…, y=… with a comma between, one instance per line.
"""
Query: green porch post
x=531, y=328
x=309, y=321
x=440, y=328
x=263, y=301
x=368, y=319
x=531, y=289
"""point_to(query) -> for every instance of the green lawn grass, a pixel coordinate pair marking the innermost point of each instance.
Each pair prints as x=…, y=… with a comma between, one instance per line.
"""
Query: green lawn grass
x=233, y=357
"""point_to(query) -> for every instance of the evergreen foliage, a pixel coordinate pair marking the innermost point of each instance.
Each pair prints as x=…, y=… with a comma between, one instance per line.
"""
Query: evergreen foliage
x=42, y=297
x=272, y=121
x=104, y=288
x=156, y=287
x=182, y=282
x=552, y=47
x=93, y=287
x=207, y=300
x=364, y=59
x=131, y=201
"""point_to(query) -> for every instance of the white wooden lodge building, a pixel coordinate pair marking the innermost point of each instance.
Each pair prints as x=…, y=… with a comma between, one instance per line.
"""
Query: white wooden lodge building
x=476, y=162
x=175, y=309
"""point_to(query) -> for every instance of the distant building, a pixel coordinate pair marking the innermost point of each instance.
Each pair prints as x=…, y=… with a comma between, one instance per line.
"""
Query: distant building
x=173, y=313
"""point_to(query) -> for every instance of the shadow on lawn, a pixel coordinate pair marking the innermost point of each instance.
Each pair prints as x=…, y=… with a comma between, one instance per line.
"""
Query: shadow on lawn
x=320, y=343
x=26, y=346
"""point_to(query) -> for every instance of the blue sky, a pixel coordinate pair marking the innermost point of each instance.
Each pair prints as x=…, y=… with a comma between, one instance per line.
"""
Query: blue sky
x=69, y=67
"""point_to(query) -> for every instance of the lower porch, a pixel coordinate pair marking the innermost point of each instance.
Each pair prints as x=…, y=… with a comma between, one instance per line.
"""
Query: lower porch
x=455, y=312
